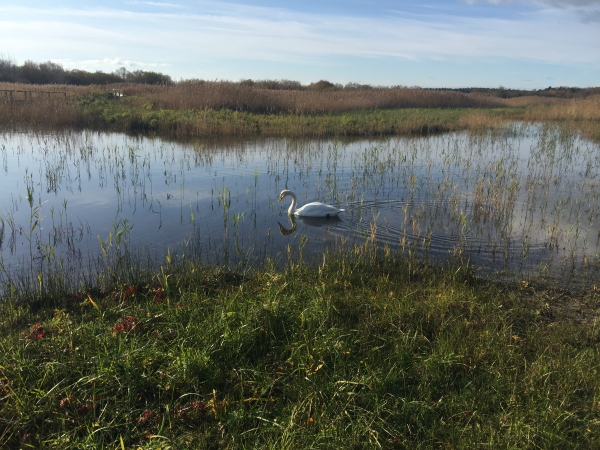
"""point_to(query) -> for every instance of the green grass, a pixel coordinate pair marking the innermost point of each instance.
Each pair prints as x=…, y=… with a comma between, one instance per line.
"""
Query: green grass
x=226, y=114
x=354, y=354
x=123, y=115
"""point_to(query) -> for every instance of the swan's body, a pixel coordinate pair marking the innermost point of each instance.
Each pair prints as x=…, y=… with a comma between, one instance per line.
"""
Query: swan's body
x=315, y=209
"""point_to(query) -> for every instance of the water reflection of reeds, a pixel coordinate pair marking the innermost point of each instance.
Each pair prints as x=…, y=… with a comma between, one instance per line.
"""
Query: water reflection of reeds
x=523, y=200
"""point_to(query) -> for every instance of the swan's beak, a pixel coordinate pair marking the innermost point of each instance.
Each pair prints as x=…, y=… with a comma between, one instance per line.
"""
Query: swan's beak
x=280, y=198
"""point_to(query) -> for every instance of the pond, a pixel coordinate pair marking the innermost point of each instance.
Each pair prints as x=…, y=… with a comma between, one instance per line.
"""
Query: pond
x=516, y=202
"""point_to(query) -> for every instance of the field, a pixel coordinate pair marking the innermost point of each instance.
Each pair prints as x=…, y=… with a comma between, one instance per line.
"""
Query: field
x=359, y=349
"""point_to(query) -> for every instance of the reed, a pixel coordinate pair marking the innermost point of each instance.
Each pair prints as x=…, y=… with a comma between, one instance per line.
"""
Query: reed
x=240, y=97
x=202, y=109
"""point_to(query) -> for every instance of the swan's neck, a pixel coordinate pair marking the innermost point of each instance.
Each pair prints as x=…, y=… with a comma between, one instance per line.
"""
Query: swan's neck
x=293, y=205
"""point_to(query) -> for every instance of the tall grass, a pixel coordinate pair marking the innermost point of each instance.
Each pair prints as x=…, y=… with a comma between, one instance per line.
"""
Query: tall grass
x=239, y=97
x=201, y=109
x=372, y=352
x=583, y=109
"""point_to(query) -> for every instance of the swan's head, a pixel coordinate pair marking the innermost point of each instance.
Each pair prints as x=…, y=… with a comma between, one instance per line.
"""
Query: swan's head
x=284, y=194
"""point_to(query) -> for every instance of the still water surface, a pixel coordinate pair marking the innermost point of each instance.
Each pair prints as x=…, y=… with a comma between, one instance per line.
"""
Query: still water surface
x=522, y=201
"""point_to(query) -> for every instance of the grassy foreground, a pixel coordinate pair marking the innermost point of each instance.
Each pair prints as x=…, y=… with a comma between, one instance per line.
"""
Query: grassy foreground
x=354, y=354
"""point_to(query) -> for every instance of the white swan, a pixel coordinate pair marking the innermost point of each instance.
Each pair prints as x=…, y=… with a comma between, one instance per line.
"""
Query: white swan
x=315, y=209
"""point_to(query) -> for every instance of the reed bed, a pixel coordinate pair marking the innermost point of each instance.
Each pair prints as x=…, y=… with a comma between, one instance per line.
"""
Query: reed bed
x=587, y=109
x=212, y=109
x=239, y=97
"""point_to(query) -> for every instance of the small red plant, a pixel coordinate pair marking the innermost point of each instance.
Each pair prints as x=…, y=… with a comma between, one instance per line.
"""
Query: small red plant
x=129, y=292
x=36, y=332
x=74, y=407
x=156, y=289
x=147, y=416
x=66, y=402
x=4, y=389
x=160, y=295
x=198, y=406
x=196, y=410
x=128, y=324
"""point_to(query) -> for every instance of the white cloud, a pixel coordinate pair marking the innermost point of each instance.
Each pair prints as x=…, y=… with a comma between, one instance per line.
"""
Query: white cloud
x=571, y=2
x=159, y=4
x=305, y=34
x=561, y=3
x=114, y=63
x=586, y=10
x=225, y=30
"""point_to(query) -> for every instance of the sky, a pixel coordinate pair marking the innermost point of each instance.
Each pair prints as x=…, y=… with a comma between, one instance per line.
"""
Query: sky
x=518, y=44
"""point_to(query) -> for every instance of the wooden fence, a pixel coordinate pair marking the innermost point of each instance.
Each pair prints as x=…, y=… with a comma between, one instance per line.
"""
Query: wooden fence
x=12, y=95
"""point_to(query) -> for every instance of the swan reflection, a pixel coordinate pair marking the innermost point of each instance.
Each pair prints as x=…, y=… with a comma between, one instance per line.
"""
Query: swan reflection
x=310, y=221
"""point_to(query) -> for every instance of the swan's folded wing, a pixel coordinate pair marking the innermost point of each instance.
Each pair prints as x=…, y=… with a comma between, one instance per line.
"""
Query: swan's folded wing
x=317, y=209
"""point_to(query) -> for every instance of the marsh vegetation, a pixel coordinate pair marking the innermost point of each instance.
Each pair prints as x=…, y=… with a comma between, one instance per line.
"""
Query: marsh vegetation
x=201, y=109
x=518, y=201
x=156, y=295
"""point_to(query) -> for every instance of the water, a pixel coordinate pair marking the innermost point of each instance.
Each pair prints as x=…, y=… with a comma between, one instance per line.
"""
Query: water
x=519, y=202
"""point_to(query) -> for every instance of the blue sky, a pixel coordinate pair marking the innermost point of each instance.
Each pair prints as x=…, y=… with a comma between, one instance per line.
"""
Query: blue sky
x=459, y=43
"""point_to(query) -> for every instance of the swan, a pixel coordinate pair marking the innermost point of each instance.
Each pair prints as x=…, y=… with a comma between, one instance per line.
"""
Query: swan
x=315, y=209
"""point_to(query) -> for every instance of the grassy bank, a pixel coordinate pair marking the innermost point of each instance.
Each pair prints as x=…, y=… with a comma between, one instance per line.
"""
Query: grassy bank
x=193, y=111
x=358, y=353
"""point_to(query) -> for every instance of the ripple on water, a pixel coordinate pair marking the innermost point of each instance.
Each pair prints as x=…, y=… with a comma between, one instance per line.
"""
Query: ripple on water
x=526, y=202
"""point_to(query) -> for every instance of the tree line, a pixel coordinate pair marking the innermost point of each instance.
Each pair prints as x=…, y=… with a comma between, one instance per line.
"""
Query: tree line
x=50, y=72
x=502, y=92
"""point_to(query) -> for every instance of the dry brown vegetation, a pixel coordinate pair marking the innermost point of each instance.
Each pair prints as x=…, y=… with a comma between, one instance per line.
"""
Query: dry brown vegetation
x=198, y=109
x=37, y=88
x=558, y=109
x=239, y=97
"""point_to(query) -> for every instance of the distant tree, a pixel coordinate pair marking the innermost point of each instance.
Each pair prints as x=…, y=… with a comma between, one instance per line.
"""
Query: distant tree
x=44, y=73
x=191, y=82
x=322, y=84
x=52, y=73
x=502, y=92
x=30, y=73
x=288, y=85
x=142, y=77
x=76, y=77
x=9, y=71
x=84, y=78
x=358, y=86
x=121, y=72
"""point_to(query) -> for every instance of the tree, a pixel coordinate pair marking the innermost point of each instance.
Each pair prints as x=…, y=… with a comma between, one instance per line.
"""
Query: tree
x=52, y=73
x=142, y=77
x=30, y=73
x=9, y=71
x=322, y=84
x=121, y=72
